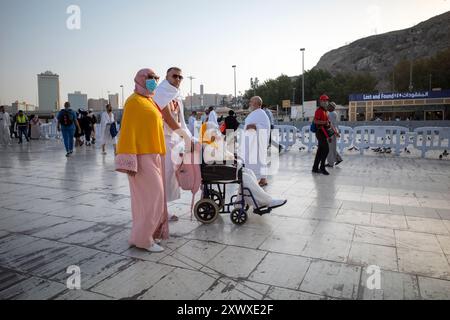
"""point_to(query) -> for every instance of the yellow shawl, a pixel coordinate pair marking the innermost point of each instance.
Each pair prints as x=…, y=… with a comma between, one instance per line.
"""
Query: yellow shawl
x=141, y=130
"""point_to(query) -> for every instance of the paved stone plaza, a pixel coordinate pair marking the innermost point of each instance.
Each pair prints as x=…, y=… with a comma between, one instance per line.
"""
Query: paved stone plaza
x=393, y=212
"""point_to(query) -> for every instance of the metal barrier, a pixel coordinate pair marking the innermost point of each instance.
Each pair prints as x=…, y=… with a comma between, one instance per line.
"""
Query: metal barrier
x=396, y=138
x=346, y=139
x=431, y=138
x=287, y=136
x=49, y=131
x=380, y=137
x=308, y=138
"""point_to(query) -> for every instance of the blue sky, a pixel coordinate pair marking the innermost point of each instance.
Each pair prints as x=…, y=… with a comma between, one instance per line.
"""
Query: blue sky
x=205, y=38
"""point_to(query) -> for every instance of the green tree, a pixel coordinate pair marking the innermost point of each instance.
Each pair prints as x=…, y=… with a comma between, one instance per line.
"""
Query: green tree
x=436, y=69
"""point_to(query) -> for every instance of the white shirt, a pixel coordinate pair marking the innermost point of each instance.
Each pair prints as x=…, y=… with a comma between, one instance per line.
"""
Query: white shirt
x=5, y=121
x=332, y=116
x=192, y=120
x=255, y=144
x=259, y=118
x=213, y=117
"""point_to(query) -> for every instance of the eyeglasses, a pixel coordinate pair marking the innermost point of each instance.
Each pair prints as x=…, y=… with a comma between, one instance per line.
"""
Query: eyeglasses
x=177, y=76
x=153, y=77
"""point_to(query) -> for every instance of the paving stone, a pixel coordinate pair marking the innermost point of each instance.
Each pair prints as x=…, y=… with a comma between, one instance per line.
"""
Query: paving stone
x=332, y=280
x=64, y=230
x=9, y=278
x=417, y=241
x=427, y=225
x=290, y=270
x=100, y=266
x=423, y=263
x=393, y=286
x=373, y=235
x=327, y=248
x=81, y=295
x=388, y=221
x=32, y=289
x=180, y=284
x=276, y=293
x=227, y=289
x=133, y=281
x=434, y=289
x=236, y=262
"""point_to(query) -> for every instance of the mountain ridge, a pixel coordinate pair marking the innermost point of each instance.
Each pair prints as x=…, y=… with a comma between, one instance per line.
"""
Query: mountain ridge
x=379, y=54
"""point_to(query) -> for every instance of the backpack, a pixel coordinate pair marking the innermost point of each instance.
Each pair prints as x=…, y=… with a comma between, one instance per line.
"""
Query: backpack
x=313, y=128
x=188, y=173
x=65, y=118
x=223, y=128
x=113, y=130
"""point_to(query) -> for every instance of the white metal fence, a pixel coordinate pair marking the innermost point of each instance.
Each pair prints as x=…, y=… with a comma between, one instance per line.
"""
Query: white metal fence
x=397, y=138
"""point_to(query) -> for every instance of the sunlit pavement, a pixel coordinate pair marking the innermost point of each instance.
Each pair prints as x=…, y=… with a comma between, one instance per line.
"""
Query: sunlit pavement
x=374, y=210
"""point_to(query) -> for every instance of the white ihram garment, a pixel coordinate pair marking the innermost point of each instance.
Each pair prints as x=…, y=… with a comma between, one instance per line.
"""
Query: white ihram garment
x=255, y=143
x=262, y=198
x=5, y=123
x=105, y=127
x=164, y=97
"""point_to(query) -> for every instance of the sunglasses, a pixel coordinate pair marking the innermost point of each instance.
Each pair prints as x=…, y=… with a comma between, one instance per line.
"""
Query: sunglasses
x=153, y=77
x=176, y=76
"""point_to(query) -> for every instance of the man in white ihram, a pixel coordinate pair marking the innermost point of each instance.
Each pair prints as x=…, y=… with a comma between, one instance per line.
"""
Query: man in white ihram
x=212, y=117
x=218, y=152
x=256, y=140
x=5, y=123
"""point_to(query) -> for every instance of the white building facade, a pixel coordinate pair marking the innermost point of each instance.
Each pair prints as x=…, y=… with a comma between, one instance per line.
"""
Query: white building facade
x=48, y=90
x=78, y=100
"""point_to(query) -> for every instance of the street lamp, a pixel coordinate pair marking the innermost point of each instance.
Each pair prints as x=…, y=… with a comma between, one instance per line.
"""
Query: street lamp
x=122, y=94
x=303, y=82
x=235, y=91
x=412, y=33
x=191, y=78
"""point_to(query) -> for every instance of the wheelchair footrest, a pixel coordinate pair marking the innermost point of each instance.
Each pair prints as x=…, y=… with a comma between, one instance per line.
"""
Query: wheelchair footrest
x=262, y=211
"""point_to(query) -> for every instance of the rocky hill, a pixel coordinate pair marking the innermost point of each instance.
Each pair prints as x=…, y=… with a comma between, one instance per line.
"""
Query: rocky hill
x=379, y=54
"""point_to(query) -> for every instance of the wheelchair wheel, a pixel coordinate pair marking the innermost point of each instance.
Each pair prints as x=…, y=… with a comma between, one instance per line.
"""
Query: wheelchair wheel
x=217, y=198
x=239, y=216
x=206, y=211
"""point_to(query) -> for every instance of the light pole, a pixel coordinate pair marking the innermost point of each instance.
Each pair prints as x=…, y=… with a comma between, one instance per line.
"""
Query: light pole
x=411, y=84
x=191, y=78
x=303, y=82
x=235, y=91
x=122, y=95
x=109, y=100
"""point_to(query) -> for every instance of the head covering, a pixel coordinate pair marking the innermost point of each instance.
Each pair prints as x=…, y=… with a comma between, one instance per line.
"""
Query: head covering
x=165, y=93
x=324, y=98
x=140, y=79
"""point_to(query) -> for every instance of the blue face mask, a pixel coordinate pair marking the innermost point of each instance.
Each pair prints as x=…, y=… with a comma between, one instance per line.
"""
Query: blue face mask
x=151, y=85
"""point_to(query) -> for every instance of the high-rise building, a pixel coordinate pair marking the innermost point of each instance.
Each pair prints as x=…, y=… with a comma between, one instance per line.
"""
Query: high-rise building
x=25, y=107
x=78, y=100
x=114, y=100
x=48, y=89
x=97, y=104
x=206, y=100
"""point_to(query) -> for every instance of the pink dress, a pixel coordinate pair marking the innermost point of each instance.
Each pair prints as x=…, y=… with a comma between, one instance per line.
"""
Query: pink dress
x=148, y=200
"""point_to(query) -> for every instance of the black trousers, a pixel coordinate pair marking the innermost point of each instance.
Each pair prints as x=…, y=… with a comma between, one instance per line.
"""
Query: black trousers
x=23, y=130
x=322, y=152
x=87, y=134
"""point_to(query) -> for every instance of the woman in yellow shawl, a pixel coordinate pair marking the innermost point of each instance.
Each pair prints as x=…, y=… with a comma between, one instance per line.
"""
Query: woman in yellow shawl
x=140, y=154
